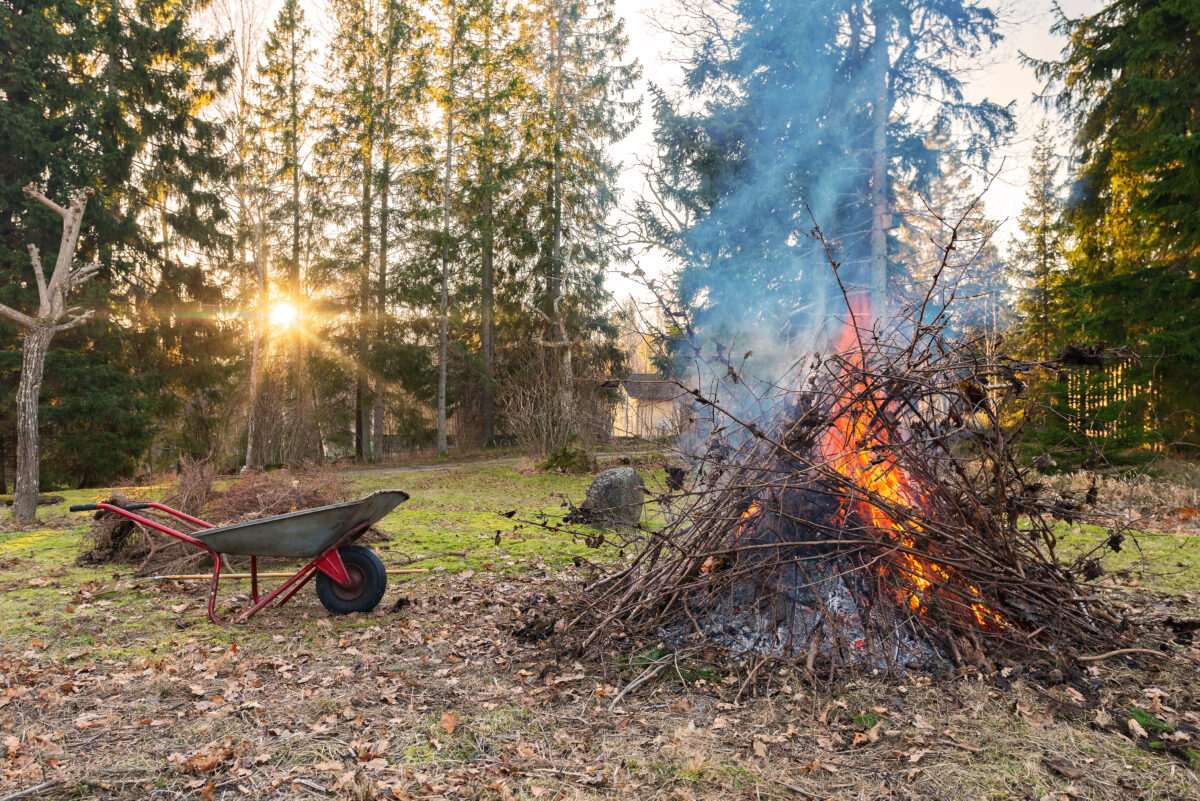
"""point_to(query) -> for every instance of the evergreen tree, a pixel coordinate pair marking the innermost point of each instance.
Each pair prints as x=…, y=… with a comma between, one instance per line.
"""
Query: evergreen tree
x=285, y=114
x=1126, y=80
x=496, y=44
x=806, y=108
x=113, y=97
x=1038, y=254
x=581, y=109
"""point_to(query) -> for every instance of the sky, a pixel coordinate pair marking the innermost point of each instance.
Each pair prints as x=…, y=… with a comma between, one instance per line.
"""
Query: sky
x=998, y=76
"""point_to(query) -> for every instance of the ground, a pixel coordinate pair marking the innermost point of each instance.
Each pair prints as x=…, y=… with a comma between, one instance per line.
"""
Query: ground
x=117, y=691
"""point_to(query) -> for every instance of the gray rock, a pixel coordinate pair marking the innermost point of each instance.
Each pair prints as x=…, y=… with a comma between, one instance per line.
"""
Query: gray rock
x=615, y=497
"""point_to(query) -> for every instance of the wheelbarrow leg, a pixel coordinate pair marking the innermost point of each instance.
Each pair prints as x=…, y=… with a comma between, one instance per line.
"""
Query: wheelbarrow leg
x=212, y=594
x=329, y=563
x=254, y=579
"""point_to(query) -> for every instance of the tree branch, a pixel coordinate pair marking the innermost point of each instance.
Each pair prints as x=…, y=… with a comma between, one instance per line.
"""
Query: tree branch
x=75, y=321
x=32, y=190
x=83, y=275
x=36, y=258
x=23, y=320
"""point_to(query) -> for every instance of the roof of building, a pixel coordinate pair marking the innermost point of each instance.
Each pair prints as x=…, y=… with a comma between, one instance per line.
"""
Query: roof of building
x=651, y=387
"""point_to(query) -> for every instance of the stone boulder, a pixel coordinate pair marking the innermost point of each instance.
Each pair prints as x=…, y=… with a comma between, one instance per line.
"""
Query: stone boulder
x=616, y=497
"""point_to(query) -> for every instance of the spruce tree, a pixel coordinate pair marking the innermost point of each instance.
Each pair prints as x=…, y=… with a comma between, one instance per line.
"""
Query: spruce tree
x=1126, y=80
x=798, y=109
x=581, y=109
x=285, y=112
x=1037, y=260
x=89, y=103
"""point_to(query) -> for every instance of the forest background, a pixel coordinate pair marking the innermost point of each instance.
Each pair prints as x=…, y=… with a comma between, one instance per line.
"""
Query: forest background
x=382, y=225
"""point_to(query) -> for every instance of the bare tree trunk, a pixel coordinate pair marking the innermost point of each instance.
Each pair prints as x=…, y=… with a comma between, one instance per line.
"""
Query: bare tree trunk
x=256, y=348
x=487, y=398
x=360, y=381
x=880, y=212
x=444, y=308
x=385, y=181
x=558, y=311
x=33, y=361
x=39, y=331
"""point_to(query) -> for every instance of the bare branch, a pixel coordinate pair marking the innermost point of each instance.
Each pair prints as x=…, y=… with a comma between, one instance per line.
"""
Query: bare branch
x=83, y=274
x=23, y=320
x=75, y=321
x=35, y=192
x=36, y=258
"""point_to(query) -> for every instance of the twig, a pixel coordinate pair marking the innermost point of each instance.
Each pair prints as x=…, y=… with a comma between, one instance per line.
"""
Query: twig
x=645, y=676
x=28, y=791
x=1121, y=652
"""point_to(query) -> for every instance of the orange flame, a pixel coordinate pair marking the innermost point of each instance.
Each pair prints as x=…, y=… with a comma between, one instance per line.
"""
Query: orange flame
x=860, y=450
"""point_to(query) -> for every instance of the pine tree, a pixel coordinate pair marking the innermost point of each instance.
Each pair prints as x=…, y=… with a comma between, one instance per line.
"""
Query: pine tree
x=1038, y=255
x=796, y=112
x=1126, y=80
x=285, y=112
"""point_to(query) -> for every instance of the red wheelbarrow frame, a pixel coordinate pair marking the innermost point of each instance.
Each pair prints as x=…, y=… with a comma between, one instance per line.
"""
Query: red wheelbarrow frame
x=328, y=562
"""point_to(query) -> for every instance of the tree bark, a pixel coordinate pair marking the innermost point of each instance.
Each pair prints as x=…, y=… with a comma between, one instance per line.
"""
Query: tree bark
x=364, y=282
x=558, y=312
x=52, y=316
x=487, y=395
x=444, y=306
x=256, y=348
x=385, y=181
x=487, y=300
x=33, y=361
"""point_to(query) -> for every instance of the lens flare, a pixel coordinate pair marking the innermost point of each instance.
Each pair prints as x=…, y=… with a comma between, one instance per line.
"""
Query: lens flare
x=283, y=315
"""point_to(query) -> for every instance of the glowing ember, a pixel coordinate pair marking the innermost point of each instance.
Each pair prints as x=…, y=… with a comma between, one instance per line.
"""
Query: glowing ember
x=859, y=448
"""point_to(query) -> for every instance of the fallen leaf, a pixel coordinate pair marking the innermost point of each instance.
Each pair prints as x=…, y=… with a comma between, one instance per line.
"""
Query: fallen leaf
x=760, y=748
x=1063, y=767
x=449, y=722
x=1135, y=729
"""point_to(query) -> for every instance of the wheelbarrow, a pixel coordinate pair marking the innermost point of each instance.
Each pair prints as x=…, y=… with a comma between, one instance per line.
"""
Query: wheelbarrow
x=350, y=578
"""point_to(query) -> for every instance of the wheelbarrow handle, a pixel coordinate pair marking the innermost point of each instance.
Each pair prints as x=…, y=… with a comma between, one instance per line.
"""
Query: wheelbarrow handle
x=91, y=507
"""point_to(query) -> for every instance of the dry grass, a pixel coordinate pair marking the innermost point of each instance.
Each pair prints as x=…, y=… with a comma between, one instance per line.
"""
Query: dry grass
x=1166, y=496
x=129, y=694
x=440, y=699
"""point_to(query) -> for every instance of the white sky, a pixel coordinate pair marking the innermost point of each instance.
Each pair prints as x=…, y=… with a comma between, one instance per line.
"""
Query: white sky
x=999, y=76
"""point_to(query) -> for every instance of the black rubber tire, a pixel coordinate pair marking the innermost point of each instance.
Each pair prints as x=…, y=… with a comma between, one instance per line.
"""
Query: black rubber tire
x=368, y=581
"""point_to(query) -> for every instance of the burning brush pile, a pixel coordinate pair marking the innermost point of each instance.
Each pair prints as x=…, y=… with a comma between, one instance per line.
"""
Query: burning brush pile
x=874, y=517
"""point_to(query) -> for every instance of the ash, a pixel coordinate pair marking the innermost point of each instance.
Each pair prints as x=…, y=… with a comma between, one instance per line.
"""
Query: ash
x=793, y=589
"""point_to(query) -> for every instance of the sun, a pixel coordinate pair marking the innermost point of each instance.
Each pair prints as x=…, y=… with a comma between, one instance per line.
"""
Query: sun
x=283, y=315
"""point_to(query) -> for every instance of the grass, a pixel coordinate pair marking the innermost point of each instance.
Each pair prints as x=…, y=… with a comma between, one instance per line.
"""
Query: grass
x=1161, y=561
x=454, y=512
x=302, y=687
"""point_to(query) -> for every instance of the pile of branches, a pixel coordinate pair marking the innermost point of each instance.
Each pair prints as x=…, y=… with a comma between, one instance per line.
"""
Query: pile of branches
x=873, y=513
x=116, y=539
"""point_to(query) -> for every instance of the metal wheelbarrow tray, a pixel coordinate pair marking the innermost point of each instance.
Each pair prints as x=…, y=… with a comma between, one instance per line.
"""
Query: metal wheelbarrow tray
x=350, y=578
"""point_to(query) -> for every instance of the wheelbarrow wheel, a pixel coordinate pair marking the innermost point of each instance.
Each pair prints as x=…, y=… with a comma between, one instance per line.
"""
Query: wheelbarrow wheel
x=368, y=580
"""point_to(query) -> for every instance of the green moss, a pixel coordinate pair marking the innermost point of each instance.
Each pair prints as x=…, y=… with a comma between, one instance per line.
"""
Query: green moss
x=869, y=719
x=1148, y=721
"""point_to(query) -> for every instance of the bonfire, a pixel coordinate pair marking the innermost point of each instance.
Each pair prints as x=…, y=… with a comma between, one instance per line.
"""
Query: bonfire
x=872, y=515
